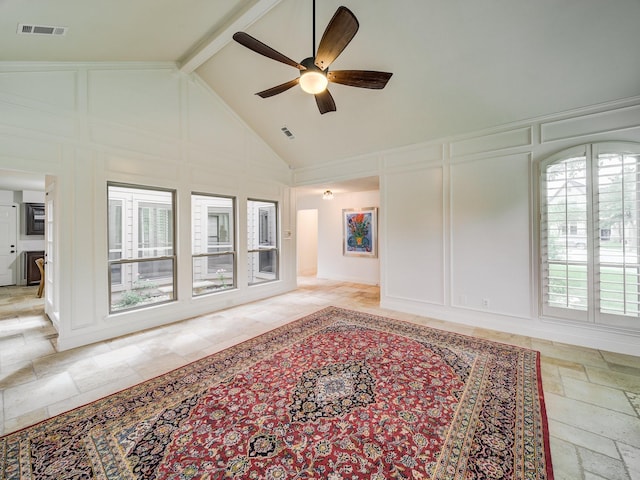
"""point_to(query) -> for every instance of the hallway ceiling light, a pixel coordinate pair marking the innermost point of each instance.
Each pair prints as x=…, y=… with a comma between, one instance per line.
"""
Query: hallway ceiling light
x=327, y=195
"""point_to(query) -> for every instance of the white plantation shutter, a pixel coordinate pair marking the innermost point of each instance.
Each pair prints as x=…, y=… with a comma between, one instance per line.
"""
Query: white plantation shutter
x=617, y=236
x=589, y=234
x=564, y=239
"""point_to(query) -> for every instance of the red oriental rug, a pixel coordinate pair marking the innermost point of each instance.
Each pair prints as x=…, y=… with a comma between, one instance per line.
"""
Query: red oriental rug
x=335, y=395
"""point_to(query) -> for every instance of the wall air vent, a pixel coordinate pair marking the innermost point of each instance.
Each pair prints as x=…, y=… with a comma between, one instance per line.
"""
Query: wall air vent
x=31, y=29
x=288, y=133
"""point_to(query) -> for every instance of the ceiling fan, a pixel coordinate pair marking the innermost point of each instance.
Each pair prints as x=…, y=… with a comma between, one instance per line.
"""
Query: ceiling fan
x=314, y=71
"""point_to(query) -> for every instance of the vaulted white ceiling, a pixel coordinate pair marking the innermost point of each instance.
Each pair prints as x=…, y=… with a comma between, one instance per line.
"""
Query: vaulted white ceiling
x=458, y=65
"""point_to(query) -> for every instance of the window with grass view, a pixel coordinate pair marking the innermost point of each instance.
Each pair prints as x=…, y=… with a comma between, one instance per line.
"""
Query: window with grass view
x=590, y=230
x=213, y=243
x=262, y=241
x=141, y=246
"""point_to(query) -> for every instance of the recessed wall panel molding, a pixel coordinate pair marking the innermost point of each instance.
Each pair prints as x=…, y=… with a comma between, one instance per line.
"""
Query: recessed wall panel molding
x=414, y=156
x=210, y=123
x=221, y=161
x=337, y=171
x=53, y=123
x=212, y=181
x=595, y=123
x=137, y=141
x=260, y=154
x=492, y=142
x=147, y=100
x=83, y=169
x=491, y=235
x=262, y=190
x=41, y=152
x=413, y=241
x=264, y=171
x=144, y=168
x=25, y=88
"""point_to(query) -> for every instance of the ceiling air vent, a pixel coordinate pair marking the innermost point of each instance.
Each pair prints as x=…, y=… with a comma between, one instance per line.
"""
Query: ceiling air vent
x=288, y=133
x=30, y=29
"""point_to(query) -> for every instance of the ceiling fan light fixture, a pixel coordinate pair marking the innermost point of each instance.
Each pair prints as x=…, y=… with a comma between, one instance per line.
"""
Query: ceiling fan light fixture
x=313, y=82
x=314, y=71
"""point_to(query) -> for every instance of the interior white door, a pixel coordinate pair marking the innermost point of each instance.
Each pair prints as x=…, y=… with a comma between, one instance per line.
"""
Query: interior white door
x=8, y=244
x=51, y=292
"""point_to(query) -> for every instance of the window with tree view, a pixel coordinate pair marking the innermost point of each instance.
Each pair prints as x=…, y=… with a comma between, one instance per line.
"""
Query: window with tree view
x=590, y=225
x=141, y=246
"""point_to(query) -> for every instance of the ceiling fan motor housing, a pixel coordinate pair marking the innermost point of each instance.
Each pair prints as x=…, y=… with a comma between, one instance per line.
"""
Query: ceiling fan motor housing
x=309, y=64
x=313, y=79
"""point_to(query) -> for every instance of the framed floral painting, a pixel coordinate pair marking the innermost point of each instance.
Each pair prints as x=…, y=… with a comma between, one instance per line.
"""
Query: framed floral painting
x=360, y=231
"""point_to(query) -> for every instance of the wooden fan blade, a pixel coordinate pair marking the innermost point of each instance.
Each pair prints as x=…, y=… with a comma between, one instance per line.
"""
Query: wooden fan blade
x=341, y=29
x=257, y=46
x=360, y=78
x=278, y=89
x=325, y=102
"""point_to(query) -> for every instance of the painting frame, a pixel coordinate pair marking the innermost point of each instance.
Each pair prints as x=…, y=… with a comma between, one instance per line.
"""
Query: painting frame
x=360, y=232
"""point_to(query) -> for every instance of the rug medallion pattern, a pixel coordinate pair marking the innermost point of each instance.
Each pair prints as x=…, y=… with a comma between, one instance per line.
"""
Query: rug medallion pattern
x=335, y=395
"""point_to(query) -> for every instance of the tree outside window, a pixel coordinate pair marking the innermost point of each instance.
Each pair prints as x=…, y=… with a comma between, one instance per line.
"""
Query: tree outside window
x=589, y=229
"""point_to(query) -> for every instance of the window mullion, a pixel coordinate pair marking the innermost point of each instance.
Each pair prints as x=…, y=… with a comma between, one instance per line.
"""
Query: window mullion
x=593, y=244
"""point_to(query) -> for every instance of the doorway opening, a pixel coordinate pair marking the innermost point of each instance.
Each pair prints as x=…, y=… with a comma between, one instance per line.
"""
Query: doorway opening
x=307, y=236
x=23, y=239
x=320, y=231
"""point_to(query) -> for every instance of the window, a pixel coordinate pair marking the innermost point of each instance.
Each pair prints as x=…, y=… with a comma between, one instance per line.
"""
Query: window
x=590, y=229
x=115, y=238
x=141, y=241
x=262, y=241
x=213, y=243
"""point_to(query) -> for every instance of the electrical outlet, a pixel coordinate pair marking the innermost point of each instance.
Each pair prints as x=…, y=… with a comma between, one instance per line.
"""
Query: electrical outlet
x=485, y=302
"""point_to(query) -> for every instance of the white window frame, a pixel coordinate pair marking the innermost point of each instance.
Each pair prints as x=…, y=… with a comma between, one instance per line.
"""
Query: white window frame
x=256, y=237
x=130, y=260
x=200, y=214
x=591, y=257
x=123, y=234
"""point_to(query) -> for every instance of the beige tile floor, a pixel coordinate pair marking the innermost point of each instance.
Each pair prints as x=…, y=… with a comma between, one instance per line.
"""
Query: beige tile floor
x=592, y=396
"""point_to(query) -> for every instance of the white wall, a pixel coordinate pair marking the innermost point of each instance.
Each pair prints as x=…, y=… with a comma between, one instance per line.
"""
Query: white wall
x=332, y=264
x=459, y=221
x=147, y=124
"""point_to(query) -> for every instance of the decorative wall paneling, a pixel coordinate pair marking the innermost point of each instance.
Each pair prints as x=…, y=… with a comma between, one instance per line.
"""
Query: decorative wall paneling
x=413, y=215
x=35, y=154
x=147, y=124
x=337, y=171
x=600, y=123
x=490, y=235
x=492, y=143
x=484, y=272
